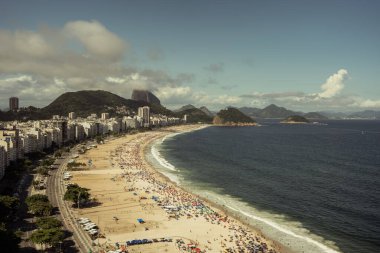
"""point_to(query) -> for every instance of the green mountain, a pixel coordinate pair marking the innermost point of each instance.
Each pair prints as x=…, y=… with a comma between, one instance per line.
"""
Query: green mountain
x=194, y=115
x=185, y=107
x=314, y=115
x=86, y=102
x=207, y=111
x=231, y=116
x=295, y=119
x=276, y=112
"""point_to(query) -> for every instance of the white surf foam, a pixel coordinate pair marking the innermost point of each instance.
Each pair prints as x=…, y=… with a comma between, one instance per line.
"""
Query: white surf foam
x=289, y=233
x=162, y=161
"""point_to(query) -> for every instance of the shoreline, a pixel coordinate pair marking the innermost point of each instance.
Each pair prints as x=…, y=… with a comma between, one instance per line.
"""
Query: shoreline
x=226, y=210
x=213, y=229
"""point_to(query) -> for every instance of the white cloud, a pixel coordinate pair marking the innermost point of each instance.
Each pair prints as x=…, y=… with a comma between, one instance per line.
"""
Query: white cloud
x=166, y=93
x=97, y=39
x=366, y=103
x=334, y=84
x=39, y=65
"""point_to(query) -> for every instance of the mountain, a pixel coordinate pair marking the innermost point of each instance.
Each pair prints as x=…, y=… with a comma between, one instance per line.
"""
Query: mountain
x=185, y=107
x=207, y=111
x=367, y=114
x=89, y=101
x=273, y=111
x=250, y=111
x=294, y=119
x=194, y=115
x=276, y=112
x=314, y=115
x=232, y=116
x=146, y=96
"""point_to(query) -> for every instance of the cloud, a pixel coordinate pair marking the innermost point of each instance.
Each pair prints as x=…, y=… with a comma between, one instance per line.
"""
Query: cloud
x=96, y=39
x=334, y=84
x=40, y=65
x=215, y=67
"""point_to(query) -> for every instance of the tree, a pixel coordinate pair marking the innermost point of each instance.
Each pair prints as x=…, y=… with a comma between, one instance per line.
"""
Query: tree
x=57, y=154
x=39, y=204
x=50, y=237
x=42, y=170
x=9, y=241
x=48, y=222
x=76, y=194
x=8, y=206
x=48, y=162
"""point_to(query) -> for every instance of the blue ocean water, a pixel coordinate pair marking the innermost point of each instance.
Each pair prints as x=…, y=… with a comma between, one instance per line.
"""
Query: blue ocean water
x=319, y=184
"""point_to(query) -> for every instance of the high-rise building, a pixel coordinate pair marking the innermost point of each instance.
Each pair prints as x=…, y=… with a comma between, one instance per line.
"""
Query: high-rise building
x=72, y=115
x=13, y=104
x=105, y=115
x=144, y=113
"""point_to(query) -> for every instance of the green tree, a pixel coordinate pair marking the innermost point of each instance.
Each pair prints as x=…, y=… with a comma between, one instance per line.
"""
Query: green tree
x=39, y=204
x=76, y=194
x=42, y=170
x=8, y=206
x=48, y=162
x=9, y=241
x=48, y=222
x=50, y=237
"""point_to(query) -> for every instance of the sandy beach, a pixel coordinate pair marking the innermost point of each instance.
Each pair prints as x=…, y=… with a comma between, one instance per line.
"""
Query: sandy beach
x=127, y=188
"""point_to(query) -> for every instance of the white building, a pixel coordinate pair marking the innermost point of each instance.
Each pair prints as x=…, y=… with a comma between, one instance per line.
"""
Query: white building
x=72, y=115
x=144, y=113
x=3, y=161
x=105, y=115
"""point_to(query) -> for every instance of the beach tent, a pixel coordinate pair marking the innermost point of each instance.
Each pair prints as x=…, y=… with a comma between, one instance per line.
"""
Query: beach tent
x=140, y=220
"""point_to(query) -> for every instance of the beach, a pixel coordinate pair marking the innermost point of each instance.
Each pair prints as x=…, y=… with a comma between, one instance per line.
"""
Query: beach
x=133, y=201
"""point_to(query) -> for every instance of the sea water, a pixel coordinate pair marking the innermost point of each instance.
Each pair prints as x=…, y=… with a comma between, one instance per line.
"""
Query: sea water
x=313, y=188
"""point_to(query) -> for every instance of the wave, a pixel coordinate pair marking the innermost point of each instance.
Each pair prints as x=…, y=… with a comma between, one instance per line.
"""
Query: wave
x=290, y=234
x=162, y=161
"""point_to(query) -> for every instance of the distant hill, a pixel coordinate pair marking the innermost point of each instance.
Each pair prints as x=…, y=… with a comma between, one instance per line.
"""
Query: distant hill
x=367, y=114
x=232, y=116
x=314, y=115
x=145, y=96
x=275, y=112
x=250, y=111
x=88, y=101
x=185, y=107
x=295, y=119
x=271, y=111
x=194, y=115
x=207, y=111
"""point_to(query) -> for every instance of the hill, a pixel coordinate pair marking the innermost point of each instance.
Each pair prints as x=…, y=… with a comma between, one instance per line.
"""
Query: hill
x=145, y=96
x=250, y=111
x=88, y=101
x=207, y=111
x=195, y=115
x=276, y=112
x=314, y=115
x=185, y=107
x=232, y=116
x=367, y=114
x=294, y=119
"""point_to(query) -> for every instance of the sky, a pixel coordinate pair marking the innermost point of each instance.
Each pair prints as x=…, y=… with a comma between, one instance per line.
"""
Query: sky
x=304, y=55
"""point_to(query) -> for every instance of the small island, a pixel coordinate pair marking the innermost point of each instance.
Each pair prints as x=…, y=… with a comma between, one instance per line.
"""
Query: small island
x=295, y=119
x=233, y=117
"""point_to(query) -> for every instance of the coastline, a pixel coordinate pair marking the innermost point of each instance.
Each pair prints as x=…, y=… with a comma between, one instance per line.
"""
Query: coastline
x=219, y=207
x=111, y=185
x=290, y=241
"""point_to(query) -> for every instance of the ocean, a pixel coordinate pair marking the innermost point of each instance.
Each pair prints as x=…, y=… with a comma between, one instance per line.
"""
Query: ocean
x=313, y=188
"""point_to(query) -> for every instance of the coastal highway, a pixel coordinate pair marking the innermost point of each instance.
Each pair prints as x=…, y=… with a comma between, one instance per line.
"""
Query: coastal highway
x=55, y=192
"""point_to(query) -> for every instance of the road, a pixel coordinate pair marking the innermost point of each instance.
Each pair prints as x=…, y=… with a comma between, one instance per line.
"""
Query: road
x=55, y=191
